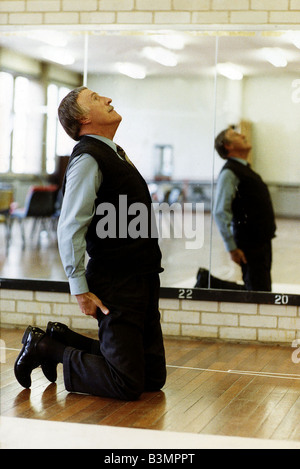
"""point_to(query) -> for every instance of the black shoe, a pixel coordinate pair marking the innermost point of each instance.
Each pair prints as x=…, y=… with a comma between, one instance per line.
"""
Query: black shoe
x=202, y=278
x=28, y=358
x=57, y=330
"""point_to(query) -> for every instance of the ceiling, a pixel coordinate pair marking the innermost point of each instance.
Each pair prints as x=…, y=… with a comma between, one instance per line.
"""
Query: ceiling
x=102, y=52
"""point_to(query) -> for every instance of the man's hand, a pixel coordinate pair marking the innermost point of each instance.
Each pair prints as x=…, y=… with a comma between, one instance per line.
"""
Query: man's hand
x=88, y=303
x=238, y=256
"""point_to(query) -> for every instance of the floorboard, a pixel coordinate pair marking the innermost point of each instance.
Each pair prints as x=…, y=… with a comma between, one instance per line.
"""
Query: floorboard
x=222, y=389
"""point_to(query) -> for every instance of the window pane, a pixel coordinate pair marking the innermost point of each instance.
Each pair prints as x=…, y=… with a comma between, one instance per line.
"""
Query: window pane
x=6, y=119
x=58, y=142
x=64, y=143
x=52, y=98
x=28, y=127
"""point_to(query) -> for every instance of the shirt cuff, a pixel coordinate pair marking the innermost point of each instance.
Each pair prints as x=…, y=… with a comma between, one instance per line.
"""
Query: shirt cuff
x=78, y=285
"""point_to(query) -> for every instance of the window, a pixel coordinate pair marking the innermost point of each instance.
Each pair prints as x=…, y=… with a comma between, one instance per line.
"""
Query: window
x=6, y=119
x=25, y=117
x=58, y=142
x=28, y=127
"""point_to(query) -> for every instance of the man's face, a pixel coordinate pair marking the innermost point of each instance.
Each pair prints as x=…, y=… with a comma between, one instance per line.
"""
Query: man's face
x=99, y=110
x=236, y=141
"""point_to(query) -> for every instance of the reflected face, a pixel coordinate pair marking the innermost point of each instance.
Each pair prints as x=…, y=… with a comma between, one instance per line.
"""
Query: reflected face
x=99, y=111
x=236, y=142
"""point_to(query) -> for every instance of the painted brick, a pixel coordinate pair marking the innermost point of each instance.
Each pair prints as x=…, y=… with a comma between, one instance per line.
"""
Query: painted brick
x=249, y=17
x=200, y=331
x=116, y=5
x=40, y=5
x=16, y=319
x=134, y=18
x=166, y=303
x=51, y=297
x=269, y=5
x=276, y=336
x=79, y=5
x=199, y=305
x=12, y=6
x=289, y=323
x=33, y=307
x=240, y=308
x=295, y=5
x=258, y=321
x=230, y=5
x=97, y=18
x=153, y=5
x=277, y=310
x=219, y=319
x=284, y=17
x=84, y=323
x=181, y=317
x=172, y=17
x=171, y=329
x=218, y=17
x=25, y=18
x=61, y=18
x=16, y=294
x=195, y=5
x=237, y=333
x=7, y=305
x=66, y=310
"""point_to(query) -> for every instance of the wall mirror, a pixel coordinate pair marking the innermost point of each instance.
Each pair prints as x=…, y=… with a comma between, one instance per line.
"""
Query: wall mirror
x=175, y=90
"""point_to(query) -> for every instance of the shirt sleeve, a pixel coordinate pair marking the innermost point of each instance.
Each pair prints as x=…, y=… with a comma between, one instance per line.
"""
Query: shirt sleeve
x=83, y=182
x=225, y=193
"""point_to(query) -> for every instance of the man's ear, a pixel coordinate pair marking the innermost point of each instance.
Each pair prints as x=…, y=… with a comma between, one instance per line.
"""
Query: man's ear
x=85, y=120
x=228, y=146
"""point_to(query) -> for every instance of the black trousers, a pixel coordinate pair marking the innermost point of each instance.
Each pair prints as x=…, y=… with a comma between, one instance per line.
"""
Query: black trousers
x=129, y=357
x=257, y=271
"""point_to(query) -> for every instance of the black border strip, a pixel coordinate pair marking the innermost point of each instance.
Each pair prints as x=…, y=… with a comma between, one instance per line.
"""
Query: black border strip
x=170, y=293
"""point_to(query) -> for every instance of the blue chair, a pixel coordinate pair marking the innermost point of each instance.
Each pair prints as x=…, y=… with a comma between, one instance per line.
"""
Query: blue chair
x=39, y=205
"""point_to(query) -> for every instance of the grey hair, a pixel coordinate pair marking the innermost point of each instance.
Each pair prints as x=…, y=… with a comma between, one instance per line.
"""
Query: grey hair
x=70, y=113
x=220, y=142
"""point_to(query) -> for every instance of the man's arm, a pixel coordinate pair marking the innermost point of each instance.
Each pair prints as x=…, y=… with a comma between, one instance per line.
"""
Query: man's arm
x=78, y=208
x=225, y=193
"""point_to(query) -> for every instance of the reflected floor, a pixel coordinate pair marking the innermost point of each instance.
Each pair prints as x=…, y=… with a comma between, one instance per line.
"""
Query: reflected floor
x=40, y=258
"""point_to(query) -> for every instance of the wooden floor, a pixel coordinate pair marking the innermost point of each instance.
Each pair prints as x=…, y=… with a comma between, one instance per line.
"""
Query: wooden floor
x=250, y=391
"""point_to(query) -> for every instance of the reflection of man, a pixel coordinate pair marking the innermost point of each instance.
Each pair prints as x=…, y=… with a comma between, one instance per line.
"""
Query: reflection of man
x=243, y=212
x=121, y=284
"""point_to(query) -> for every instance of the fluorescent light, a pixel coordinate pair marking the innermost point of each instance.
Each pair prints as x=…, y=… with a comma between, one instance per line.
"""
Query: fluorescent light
x=294, y=37
x=275, y=56
x=230, y=71
x=161, y=55
x=59, y=56
x=131, y=70
x=170, y=41
x=52, y=38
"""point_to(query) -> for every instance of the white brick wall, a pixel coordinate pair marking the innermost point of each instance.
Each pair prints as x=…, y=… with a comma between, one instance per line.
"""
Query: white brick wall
x=180, y=318
x=150, y=12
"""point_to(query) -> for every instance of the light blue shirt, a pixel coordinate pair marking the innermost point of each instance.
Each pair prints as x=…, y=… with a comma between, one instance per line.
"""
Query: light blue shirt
x=226, y=190
x=84, y=179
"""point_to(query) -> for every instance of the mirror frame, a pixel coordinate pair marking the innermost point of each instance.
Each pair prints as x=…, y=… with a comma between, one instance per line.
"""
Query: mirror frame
x=189, y=294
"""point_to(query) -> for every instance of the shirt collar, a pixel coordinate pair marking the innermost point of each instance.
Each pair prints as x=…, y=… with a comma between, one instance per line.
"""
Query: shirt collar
x=240, y=160
x=105, y=140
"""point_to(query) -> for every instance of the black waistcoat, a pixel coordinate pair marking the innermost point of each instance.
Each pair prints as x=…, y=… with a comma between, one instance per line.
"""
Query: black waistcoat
x=253, y=214
x=115, y=238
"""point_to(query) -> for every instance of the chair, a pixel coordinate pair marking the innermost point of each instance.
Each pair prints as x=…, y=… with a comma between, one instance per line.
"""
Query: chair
x=6, y=198
x=39, y=204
